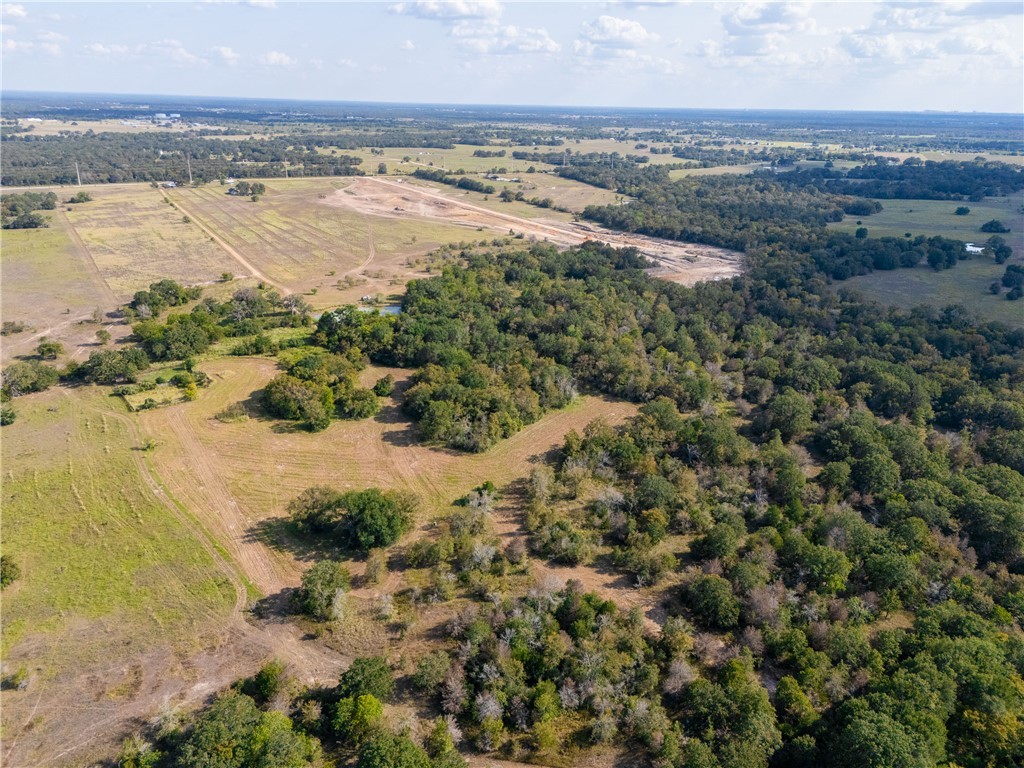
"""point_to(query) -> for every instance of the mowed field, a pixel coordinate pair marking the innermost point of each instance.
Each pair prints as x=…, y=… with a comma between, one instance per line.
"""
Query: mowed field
x=95, y=256
x=118, y=590
x=299, y=243
x=238, y=476
x=968, y=282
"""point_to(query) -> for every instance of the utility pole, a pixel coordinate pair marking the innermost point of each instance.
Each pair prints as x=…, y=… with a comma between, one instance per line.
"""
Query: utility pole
x=78, y=173
x=188, y=159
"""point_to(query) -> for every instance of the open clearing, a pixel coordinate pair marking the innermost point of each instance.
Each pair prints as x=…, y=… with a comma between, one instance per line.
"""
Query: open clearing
x=968, y=282
x=237, y=476
x=402, y=200
x=78, y=511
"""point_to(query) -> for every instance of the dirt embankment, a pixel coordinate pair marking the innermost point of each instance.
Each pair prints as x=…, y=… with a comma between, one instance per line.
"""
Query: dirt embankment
x=685, y=263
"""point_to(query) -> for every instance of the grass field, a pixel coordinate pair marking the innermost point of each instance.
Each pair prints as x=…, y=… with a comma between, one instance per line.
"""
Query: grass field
x=241, y=474
x=967, y=283
x=47, y=281
x=110, y=576
x=135, y=239
x=293, y=238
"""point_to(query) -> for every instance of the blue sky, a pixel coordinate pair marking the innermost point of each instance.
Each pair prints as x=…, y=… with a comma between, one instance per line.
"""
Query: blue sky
x=788, y=55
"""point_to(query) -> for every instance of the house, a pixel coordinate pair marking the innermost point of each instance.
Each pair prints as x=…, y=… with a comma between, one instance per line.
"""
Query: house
x=972, y=248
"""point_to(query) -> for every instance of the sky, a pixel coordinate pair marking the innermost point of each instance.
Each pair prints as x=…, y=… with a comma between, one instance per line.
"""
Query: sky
x=954, y=56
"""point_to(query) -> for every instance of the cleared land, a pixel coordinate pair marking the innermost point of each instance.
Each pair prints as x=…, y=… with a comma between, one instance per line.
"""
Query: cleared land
x=403, y=200
x=968, y=282
x=240, y=475
x=105, y=566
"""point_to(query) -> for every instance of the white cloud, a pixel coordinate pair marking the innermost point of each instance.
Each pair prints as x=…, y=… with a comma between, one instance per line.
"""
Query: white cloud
x=226, y=54
x=52, y=37
x=509, y=39
x=277, y=59
x=408, y=45
x=13, y=10
x=100, y=49
x=347, y=64
x=13, y=46
x=174, y=51
x=452, y=10
x=762, y=18
x=613, y=32
x=268, y=4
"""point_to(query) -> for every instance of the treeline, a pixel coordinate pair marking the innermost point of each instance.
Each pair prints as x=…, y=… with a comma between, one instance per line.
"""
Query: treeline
x=124, y=157
x=455, y=180
x=914, y=178
x=762, y=215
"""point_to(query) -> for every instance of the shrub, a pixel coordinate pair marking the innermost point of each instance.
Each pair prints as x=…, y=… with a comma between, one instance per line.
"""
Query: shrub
x=9, y=571
x=713, y=602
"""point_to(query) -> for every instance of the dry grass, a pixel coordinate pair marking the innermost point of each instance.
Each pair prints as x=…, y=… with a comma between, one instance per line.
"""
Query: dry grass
x=240, y=475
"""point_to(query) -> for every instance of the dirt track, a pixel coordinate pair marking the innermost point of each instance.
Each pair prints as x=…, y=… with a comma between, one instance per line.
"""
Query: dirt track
x=685, y=263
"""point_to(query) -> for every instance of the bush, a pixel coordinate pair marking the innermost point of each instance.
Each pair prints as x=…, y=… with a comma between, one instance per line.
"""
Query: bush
x=356, y=719
x=268, y=682
x=9, y=571
x=431, y=671
x=234, y=412
x=384, y=386
x=7, y=415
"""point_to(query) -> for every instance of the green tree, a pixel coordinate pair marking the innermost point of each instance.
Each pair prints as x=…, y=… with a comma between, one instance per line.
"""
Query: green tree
x=321, y=585
x=357, y=719
x=9, y=571
x=389, y=750
x=713, y=602
x=368, y=675
x=375, y=518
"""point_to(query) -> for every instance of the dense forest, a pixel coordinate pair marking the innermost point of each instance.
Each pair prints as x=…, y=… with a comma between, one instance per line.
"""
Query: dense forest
x=833, y=492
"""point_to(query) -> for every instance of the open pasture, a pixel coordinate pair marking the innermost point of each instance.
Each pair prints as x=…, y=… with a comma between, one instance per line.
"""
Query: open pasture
x=136, y=238
x=300, y=243
x=967, y=283
x=239, y=475
x=115, y=584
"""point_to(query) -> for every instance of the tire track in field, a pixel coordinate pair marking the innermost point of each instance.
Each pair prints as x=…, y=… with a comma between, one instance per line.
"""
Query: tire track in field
x=230, y=250
x=90, y=261
x=251, y=555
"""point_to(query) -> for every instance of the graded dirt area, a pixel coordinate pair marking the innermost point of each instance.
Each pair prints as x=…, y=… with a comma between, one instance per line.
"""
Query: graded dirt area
x=403, y=199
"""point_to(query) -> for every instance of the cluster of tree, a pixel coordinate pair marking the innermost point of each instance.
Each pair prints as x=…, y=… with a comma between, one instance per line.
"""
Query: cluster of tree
x=247, y=189
x=488, y=153
x=915, y=179
x=319, y=386
x=357, y=520
x=457, y=180
x=1013, y=278
x=245, y=727
x=18, y=211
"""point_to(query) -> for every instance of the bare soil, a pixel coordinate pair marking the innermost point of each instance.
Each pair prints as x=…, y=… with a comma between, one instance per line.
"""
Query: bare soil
x=685, y=263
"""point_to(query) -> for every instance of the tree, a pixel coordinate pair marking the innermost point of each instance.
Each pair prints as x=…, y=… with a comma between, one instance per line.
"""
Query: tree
x=994, y=225
x=321, y=585
x=790, y=413
x=103, y=336
x=962, y=210
x=50, y=350
x=376, y=518
x=713, y=602
x=367, y=675
x=316, y=509
x=357, y=719
x=389, y=750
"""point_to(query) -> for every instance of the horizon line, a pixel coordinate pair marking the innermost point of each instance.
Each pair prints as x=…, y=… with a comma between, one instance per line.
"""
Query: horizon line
x=567, y=107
